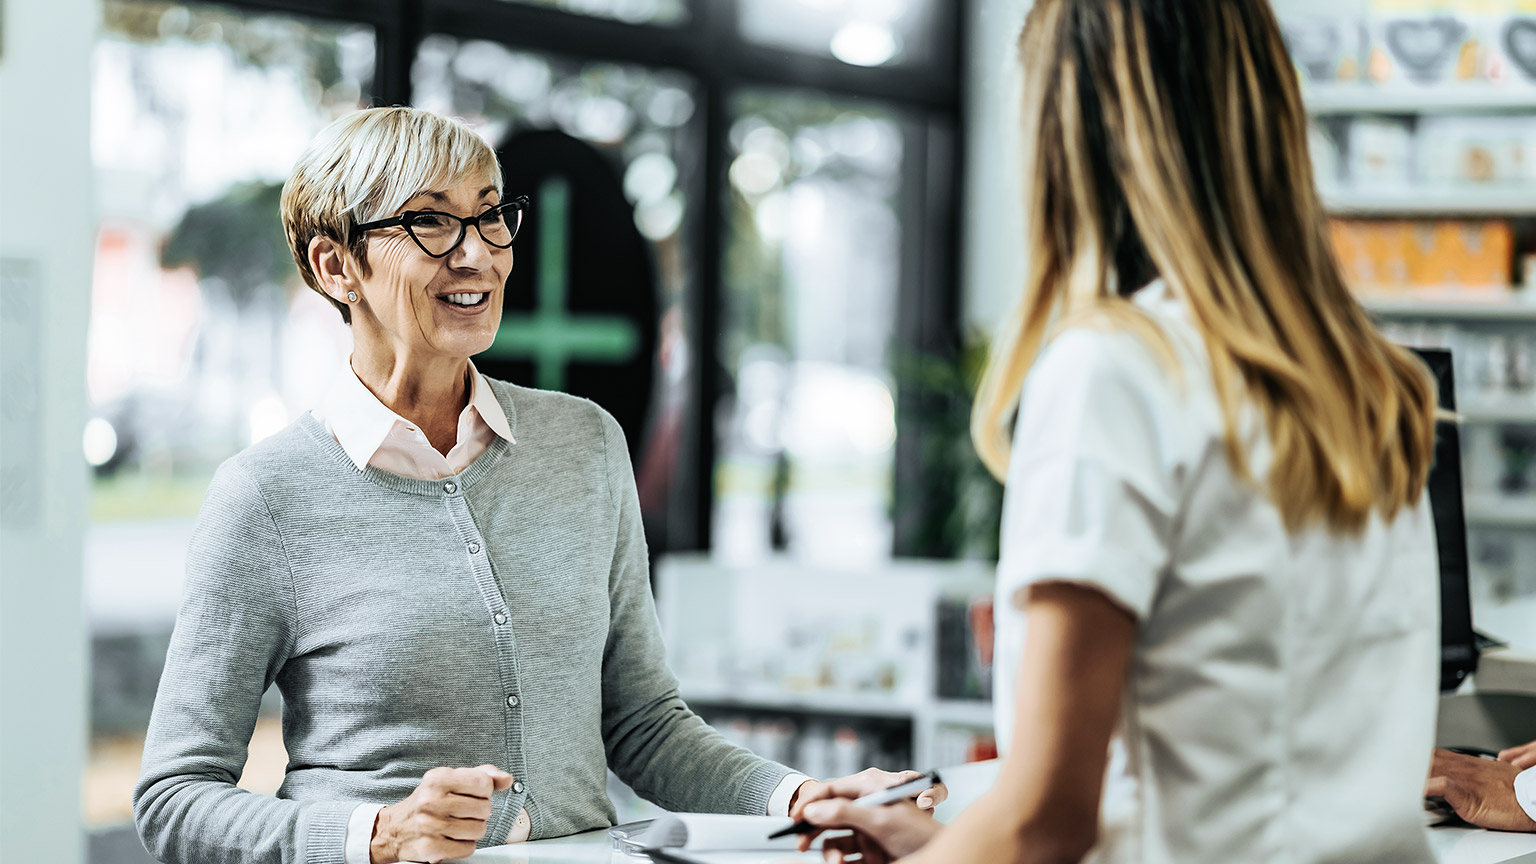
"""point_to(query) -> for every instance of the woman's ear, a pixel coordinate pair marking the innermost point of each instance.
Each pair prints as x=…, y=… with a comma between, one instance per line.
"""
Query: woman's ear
x=331, y=264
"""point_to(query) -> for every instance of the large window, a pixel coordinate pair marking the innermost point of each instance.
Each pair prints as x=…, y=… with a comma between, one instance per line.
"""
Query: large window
x=858, y=32
x=202, y=339
x=784, y=236
x=812, y=279
x=646, y=124
x=628, y=11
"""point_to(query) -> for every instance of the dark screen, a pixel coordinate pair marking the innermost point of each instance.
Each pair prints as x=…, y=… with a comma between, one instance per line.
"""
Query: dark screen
x=1458, y=644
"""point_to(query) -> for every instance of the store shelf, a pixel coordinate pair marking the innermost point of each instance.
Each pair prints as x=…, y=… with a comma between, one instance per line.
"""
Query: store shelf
x=963, y=712
x=853, y=704
x=1493, y=311
x=1485, y=510
x=1512, y=621
x=1439, y=203
x=1326, y=99
x=1485, y=411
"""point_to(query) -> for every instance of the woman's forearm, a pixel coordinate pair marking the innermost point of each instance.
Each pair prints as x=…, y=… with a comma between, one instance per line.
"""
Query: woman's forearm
x=1044, y=808
x=191, y=820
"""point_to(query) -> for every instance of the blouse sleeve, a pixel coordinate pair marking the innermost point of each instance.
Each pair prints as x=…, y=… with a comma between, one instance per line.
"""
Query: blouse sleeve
x=655, y=743
x=1091, y=494
x=234, y=631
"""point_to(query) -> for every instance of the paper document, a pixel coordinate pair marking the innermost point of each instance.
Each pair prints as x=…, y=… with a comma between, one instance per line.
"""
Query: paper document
x=678, y=856
x=708, y=832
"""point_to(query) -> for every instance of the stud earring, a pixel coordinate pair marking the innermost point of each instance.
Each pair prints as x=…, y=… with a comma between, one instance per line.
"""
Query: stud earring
x=351, y=296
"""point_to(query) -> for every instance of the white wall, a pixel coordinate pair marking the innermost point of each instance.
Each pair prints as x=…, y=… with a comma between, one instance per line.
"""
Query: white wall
x=46, y=246
x=992, y=266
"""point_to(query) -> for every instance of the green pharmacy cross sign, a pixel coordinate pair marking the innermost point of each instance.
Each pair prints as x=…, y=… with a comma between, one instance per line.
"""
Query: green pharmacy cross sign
x=552, y=337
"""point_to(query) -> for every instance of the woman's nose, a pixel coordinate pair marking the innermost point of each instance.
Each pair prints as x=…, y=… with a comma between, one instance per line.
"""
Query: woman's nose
x=474, y=253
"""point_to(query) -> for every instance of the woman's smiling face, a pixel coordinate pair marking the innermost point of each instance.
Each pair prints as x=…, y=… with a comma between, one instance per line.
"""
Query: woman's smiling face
x=407, y=291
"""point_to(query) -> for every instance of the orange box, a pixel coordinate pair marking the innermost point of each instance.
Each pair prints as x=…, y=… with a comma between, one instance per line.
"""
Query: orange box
x=1394, y=255
x=1373, y=253
x=1468, y=256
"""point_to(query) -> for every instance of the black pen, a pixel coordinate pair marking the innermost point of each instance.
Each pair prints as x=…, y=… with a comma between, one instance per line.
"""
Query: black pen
x=909, y=789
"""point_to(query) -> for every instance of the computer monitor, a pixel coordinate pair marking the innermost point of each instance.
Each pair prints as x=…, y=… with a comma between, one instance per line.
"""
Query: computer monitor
x=1458, y=643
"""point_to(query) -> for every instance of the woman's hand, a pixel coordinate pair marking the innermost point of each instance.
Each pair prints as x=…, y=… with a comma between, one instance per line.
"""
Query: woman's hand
x=866, y=782
x=880, y=834
x=888, y=833
x=1521, y=757
x=444, y=818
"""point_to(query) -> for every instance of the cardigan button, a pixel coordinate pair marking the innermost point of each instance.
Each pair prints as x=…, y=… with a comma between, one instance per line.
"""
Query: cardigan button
x=450, y=487
x=474, y=548
x=512, y=701
x=501, y=617
x=518, y=787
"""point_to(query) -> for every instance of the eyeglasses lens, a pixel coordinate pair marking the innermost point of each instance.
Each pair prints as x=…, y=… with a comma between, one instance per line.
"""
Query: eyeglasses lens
x=499, y=226
x=439, y=234
x=436, y=232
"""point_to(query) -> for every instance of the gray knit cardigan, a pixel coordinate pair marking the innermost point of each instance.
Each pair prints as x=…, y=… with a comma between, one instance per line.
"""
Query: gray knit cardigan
x=500, y=616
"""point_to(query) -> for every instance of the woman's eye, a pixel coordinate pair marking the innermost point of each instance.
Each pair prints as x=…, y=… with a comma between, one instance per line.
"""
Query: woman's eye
x=430, y=221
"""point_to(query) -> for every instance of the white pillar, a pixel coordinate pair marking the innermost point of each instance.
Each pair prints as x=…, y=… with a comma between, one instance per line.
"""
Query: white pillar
x=992, y=264
x=46, y=246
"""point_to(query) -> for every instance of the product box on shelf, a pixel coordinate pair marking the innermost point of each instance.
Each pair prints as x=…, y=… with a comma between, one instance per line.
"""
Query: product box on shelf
x=1387, y=256
x=1417, y=43
x=1327, y=50
x=1448, y=42
x=1380, y=153
x=1465, y=151
x=965, y=641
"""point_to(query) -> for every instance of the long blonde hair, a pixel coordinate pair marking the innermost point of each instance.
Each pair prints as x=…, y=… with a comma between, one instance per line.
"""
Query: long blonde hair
x=1167, y=137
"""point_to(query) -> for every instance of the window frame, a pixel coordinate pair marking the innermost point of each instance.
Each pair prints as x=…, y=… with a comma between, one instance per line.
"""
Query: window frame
x=708, y=46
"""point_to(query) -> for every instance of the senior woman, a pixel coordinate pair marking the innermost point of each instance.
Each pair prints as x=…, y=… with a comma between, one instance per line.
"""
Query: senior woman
x=444, y=574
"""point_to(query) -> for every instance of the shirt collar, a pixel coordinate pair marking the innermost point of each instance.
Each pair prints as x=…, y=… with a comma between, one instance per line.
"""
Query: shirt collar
x=361, y=422
x=484, y=401
x=1158, y=297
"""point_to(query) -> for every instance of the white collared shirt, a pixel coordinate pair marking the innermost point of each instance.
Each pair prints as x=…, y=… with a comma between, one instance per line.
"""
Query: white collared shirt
x=1280, y=703
x=373, y=435
x=1525, y=791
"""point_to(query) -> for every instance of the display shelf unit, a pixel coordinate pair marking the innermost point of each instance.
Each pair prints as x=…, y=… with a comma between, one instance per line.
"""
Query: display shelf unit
x=1494, y=411
x=1324, y=100
x=1492, y=510
x=802, y=702
x=973, y=713
x=1492, y=311
x=716, y=618
x=976, y=713
x=1432, y=202
x=1469, y=310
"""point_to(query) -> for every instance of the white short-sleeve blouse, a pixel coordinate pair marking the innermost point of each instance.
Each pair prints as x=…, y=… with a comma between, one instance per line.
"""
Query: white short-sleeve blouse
x=1281, y=701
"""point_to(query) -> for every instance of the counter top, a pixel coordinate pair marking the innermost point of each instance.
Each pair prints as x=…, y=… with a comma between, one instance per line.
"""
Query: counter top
x=1476, y=846
x=594, y=847
x=1451, y=845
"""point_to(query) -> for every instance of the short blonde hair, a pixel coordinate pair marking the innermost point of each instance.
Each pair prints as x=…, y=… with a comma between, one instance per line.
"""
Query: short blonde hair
x=364, y=167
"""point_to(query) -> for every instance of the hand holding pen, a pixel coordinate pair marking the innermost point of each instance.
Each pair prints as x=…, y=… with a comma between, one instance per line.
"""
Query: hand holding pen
x=887, y=824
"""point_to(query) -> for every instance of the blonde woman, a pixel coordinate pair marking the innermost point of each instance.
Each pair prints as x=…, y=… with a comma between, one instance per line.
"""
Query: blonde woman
x=444, y=574
x=1217, y=593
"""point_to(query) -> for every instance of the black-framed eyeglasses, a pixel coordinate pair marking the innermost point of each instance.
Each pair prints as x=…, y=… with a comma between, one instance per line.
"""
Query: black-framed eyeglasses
x=439, y=233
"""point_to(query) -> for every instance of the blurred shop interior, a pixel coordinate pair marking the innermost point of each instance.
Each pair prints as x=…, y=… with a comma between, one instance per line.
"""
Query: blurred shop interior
x=819, y=202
